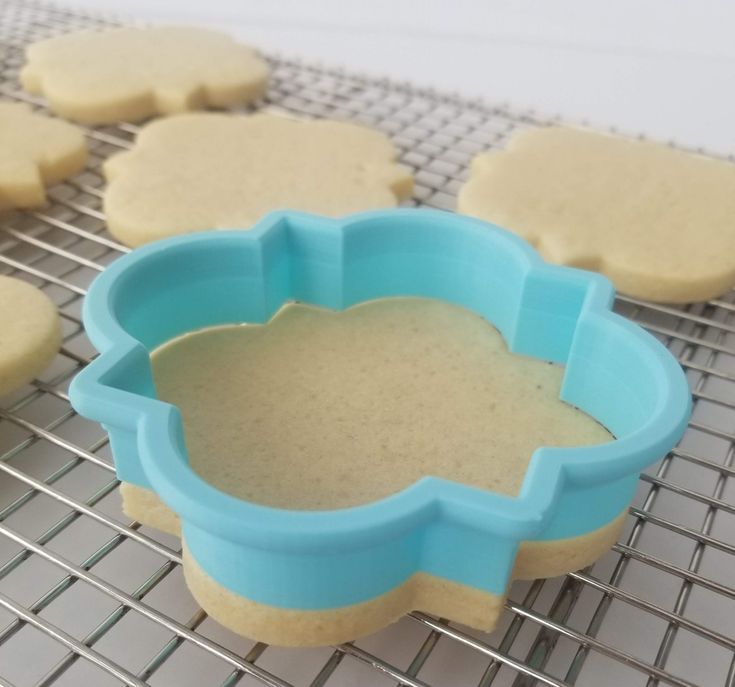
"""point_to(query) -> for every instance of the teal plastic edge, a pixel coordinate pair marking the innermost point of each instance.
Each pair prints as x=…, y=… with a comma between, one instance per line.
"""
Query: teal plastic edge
x=615, y=371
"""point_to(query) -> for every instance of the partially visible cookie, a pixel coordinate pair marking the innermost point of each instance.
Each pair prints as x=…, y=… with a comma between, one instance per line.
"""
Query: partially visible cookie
x=657, y=221
x=134, y=73
x=35, y=151
x=209, y=171
x=30, y=333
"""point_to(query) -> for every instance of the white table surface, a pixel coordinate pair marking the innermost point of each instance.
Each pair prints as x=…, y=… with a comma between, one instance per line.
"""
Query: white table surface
x=662, y=67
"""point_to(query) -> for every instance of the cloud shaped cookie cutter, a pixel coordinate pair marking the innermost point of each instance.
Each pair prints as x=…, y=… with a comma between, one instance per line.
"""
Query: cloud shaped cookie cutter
x=312, y=577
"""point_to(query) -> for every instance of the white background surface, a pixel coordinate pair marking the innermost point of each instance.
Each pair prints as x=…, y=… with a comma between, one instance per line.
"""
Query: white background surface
x=662, y=67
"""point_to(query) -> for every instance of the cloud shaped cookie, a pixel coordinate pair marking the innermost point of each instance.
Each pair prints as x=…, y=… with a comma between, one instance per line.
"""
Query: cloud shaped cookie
x=35, y=151
x=288, y=576
x=657, y=221
x=207, y=171
x=134, y=73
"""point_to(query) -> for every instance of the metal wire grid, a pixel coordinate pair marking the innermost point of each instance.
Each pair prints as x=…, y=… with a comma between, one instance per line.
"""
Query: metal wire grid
x=90, y=598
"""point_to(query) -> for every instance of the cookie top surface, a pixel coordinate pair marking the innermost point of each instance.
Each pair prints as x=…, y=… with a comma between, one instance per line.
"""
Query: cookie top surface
x=30, y=333
x=656, y=220
x=321, y=409
x=134, y=73
x=35, y=150
x=207, y=170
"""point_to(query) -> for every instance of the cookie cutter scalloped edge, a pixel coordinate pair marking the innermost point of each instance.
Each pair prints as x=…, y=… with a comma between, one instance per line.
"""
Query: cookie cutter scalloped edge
x=615, y=371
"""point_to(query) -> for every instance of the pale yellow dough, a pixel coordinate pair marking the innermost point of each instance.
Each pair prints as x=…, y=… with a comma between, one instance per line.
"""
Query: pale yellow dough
x=657, y=221
x=30, y=333
x=213, y=171
x=132, y=73
x=35, y=151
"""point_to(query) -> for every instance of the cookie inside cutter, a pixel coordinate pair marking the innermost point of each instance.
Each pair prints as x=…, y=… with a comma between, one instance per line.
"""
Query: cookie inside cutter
x=309, y=578
x=322, y=409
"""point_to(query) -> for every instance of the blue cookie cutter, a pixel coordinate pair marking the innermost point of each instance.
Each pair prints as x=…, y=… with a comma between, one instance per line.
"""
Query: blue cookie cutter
x=317, y=560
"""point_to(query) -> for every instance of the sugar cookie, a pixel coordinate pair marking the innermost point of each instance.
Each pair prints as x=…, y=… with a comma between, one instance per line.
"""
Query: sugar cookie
x=30, y=333
x=657, y=221
x=134, y=73
x=406, y=387
x=206, y=171
x=321, y=409
x=35, y=151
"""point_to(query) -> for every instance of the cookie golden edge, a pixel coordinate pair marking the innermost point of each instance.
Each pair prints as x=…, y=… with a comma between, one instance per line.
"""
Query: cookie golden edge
x=420, y=592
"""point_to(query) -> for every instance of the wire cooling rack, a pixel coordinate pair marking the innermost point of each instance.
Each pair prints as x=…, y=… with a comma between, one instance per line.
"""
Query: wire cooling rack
x=89, y=598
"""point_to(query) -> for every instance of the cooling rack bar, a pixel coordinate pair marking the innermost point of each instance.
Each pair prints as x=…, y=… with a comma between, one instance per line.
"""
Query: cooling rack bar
x=131, y=602
x=55, y=439
x=44, y=488
x=88, y=597
x=467, y=640
x=69, y=641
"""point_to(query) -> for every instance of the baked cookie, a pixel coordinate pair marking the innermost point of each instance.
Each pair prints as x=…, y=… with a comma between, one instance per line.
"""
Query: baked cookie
x=337, y=409
x=207, y=171
x=30, y=333
x=35, y=151
x=657, y=221
x=406, y=387
x=134, y=73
